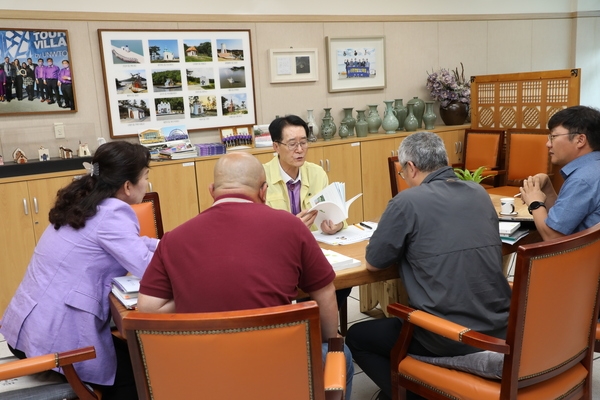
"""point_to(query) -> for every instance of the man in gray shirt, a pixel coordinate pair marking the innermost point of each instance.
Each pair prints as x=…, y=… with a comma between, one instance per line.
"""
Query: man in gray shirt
x=442, y=233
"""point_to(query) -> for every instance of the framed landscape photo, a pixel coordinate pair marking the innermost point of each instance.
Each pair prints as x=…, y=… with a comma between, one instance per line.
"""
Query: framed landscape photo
x=293, y=65
x=36, y=71
x=197, y=78
x=355, y=63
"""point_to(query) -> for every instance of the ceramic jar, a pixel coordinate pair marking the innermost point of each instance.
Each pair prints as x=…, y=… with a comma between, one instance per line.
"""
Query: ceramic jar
x=401, y=113
x=331, y=122
x=312, y=124
x=419, y=109
x=344, y=131
x=390, y=122
x=429, y=116
x=362, y=126
x=373, y=119
x=411, y=123
x=349, y=120
x=455, y=114
x=326, y=129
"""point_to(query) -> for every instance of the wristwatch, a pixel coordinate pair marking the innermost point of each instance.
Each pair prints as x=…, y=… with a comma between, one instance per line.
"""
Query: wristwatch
x=535, y=205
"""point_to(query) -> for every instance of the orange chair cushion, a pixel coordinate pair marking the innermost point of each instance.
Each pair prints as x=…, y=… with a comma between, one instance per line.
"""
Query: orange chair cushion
x=145, y=214
x=466, y=386
x=482, y=151
x=528, y=155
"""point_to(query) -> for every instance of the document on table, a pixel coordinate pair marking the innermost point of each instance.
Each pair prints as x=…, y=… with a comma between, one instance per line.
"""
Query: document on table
x=352, y=234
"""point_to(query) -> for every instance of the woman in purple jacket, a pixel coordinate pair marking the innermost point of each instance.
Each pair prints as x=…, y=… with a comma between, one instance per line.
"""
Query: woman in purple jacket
x=62, y=302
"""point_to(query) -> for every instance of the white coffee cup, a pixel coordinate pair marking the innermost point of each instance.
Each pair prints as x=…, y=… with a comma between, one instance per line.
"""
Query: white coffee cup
x=507, y=205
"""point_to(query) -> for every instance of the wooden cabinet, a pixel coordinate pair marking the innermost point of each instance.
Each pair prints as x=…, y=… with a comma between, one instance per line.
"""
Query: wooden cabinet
x=204, y=177
x=454, y=143
x=42, y=196
x=176, y=186
x=375, y=176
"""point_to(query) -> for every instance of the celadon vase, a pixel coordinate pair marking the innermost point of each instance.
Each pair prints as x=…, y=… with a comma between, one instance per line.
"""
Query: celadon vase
x=419, y=109
x=326, y=129
x=429, y=116
x=362, y=126
x=411, y=123
x=390, y=122
x=331, y=122
x=349, y=121
x=373, y=119
x=344, y=131
x=401, y=113
x=310, y=121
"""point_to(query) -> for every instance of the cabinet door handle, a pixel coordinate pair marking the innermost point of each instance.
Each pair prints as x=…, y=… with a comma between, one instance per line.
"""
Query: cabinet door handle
x=327, y=163
x=150, y=186
x=393, y=153
x=25, y=208
x=321, y=163
x=460, y=144
x=35, y=205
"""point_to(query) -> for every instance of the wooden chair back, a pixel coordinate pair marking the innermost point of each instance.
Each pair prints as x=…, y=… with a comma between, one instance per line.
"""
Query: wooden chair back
x=149, y=216
x=270, y=353
x=526, y=154
x=550, y=336
x=483, y=148
x=397, y=183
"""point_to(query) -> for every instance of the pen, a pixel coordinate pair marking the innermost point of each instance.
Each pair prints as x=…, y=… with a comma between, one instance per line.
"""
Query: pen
x=359, y=227
x=517, y=195
x=365, y=225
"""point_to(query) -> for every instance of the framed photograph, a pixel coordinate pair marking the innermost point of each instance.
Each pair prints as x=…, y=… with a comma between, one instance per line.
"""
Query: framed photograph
x=36, y=72
x=356, y=63
x=293, y=65
x=237, y=138
x=199, y=79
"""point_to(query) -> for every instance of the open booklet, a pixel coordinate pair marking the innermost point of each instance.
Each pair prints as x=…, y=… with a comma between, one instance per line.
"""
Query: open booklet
x=331, y=203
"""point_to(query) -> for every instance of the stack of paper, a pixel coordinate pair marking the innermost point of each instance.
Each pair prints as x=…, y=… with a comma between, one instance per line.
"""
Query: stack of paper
x=512, y=239
x=331, y=203
x=508, y=228
x=339, y=261
x=126, y=289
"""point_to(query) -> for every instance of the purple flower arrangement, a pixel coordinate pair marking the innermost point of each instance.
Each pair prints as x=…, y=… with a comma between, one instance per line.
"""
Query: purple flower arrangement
x=447, y=86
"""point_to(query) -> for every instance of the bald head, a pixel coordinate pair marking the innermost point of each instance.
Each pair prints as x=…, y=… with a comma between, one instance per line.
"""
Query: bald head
x=239, y=173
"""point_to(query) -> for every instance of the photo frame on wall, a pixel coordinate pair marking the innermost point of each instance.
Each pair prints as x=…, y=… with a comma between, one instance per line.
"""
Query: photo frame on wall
x=198, y=78
x=43, y=81
x=355, y=63
x=293, y=65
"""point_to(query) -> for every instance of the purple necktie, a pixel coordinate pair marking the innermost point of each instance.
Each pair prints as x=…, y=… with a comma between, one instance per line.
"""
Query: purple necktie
x=294, y=192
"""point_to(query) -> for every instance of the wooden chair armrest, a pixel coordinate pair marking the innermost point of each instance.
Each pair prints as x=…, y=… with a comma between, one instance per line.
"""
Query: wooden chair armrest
x=335, y=369
x=64, y=360
x=448, y=329
x=458, y=165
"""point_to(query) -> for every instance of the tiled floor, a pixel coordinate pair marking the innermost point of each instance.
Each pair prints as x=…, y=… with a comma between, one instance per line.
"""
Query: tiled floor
x=364, y=389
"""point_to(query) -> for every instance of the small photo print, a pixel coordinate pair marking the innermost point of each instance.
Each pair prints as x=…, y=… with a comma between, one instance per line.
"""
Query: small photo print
x=163, y=51
x=166, y=80
x=303, y=65
x=234, y=104
x=131, y=81
x=169, y=108
x=133, y=110
x=197, y=50
x=230, y=49
x=234, y=77
x=127, y=51
x=200, y=78
x=203, y=106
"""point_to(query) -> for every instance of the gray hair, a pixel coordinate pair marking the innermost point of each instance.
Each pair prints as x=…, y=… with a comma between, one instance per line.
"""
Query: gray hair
x=425, y=149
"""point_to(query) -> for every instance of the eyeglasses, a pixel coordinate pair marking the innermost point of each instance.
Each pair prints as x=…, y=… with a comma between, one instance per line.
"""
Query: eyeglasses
x=401, y=172
x=293, y=145
x=551, y=136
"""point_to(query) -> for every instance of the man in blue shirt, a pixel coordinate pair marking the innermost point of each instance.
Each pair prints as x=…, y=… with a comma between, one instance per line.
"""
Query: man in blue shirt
x=574, y=145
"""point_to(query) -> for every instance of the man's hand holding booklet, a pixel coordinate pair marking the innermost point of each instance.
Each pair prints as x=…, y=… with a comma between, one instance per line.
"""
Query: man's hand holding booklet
x=331, y=204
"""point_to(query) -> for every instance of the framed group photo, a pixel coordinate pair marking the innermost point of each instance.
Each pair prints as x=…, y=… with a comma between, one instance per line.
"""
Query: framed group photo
x=200, y=79
x=36, y=74
x=356, y=63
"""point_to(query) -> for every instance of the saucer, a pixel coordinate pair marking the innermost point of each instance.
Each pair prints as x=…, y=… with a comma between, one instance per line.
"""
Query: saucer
x=512, y=213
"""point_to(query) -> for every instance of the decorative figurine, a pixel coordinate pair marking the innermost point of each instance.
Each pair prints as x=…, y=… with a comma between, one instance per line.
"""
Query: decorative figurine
x=84, y=150
x=65, y=153
x=1, y=160
x=19, y=156
x=44, y=154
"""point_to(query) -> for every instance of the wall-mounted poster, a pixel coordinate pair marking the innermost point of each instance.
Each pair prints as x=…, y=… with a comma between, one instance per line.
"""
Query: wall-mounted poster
x=199, y=79
x=35, y=72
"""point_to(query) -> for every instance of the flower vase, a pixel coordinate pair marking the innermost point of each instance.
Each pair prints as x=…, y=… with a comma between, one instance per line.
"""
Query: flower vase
x=349, y=121
x=429, y=116
x=401, y=113
x=331, y=122
x=419, y=109
x=411, y=123
x=312, y=126
x=373, y=119
x=326, y=129
x=362, y=126
x=455, y=113
x=390, y=122
x=344, y=131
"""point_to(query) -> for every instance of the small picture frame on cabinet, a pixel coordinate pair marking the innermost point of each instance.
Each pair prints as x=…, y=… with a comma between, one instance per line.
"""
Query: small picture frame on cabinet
x=237, y=138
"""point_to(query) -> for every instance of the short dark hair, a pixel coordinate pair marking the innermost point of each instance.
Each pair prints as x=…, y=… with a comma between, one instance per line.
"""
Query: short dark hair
x=114, y=163
x=579, y=119
x=276, y=127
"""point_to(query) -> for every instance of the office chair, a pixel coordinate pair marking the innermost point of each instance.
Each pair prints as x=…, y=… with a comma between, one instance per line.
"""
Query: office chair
x=397, y=183
x=526, y=155
x=33, y=365
x=268, y=354
x=484, y=148
x=149, y=215
x=550, y=337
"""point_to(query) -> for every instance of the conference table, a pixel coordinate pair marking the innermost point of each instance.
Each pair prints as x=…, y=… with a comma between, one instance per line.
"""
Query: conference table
x=388, y=288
